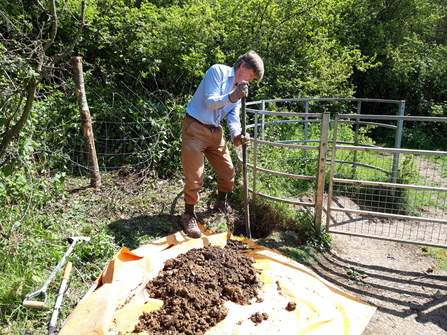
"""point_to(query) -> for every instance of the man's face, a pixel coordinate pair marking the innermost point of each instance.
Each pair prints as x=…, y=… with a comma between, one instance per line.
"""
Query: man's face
x=245, y=74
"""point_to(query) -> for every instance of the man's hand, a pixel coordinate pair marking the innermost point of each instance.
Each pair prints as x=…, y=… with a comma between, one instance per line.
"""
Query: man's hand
x=241, y=139
x=240, y=91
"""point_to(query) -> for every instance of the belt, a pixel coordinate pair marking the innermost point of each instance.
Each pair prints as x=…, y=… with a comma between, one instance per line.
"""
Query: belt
x=203, y=124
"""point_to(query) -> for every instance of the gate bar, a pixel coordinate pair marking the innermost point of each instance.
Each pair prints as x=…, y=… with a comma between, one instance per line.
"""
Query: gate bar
x=321, y=171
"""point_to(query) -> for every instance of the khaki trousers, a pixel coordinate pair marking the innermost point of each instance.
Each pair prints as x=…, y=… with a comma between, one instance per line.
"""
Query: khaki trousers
x=199, y=140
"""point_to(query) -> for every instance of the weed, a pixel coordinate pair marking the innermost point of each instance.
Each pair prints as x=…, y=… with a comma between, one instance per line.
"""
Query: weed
x=282, y=227
x=438, y=254
x=356, y=277
x=125, y=211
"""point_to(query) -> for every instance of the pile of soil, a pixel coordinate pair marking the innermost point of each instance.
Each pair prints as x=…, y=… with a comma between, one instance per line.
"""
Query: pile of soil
x=194, y=287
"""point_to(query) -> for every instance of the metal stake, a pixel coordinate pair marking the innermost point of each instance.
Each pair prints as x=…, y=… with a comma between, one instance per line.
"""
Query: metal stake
x=244, y=163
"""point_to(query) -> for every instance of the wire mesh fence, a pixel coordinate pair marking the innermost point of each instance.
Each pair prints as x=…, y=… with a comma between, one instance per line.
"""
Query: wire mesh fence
x=388, y=193
x=283, y=165
x=136, y=132
x=369, y=189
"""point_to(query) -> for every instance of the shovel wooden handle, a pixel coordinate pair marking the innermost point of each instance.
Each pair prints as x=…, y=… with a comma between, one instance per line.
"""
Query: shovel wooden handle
x=67, y=271
x=34, y=304
x=57, y=306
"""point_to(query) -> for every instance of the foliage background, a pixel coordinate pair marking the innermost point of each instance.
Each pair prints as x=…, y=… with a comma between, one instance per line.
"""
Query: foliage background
x=132, y=49
x=142, y=62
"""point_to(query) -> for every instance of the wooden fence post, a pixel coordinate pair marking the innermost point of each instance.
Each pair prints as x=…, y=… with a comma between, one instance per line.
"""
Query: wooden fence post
x=86, y=122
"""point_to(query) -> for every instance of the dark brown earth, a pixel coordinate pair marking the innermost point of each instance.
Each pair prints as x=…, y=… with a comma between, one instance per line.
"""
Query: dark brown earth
x=194, y=287
x=410, y=293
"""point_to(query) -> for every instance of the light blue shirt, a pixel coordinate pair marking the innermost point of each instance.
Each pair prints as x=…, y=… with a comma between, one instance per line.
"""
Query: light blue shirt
x=211, y=101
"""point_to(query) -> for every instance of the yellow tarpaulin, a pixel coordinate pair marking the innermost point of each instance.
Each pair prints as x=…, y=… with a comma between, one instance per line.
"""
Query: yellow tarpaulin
x=321, y=308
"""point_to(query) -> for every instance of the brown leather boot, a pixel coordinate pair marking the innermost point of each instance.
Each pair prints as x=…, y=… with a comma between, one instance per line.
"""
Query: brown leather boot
x=190, y=227
x=223, y=206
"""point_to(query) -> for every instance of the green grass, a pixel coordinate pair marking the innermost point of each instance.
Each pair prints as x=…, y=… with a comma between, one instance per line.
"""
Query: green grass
x=439, y=255
x=37, y=217
x=123, y=212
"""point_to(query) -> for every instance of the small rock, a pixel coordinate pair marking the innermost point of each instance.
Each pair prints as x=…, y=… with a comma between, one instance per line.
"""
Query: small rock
x=438, y=295
x=291, y=306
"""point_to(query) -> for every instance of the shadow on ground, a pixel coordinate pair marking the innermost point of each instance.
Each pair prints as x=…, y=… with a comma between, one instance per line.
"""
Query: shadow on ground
x=419, y=296
x=134, y=232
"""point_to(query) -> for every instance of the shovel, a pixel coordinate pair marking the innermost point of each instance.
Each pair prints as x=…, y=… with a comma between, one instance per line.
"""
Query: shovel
x=28, y=302
x=57, y=306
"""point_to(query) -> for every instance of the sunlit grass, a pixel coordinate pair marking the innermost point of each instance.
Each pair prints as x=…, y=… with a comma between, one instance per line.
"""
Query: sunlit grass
x=439, y=255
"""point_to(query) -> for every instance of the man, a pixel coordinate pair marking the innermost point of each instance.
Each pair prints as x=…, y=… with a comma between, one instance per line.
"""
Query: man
x=218, y=96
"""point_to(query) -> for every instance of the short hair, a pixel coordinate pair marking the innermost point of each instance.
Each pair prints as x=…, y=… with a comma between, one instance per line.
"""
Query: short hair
x=252, y=61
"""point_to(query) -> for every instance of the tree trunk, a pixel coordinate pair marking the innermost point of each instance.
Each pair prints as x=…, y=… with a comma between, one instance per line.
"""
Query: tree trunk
x=15, y=130
x=86, y=122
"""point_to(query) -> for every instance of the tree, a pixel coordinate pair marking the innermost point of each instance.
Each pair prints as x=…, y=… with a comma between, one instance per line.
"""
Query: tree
x=402, y=35
x=28, y=54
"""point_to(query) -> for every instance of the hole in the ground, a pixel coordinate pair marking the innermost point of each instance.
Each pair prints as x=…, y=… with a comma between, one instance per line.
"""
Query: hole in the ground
x=257, y=231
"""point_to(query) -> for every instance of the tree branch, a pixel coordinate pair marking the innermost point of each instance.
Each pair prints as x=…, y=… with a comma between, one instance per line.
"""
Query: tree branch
x=69, y=49
x=42, y=70
x=11, y=133
x=54, y=26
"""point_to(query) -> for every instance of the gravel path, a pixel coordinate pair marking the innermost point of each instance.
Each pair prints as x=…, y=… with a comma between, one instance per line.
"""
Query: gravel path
x=409, y=291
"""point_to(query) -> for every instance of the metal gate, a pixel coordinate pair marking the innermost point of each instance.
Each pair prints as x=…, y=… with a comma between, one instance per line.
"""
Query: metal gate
x=355, y=186
x=387, y=193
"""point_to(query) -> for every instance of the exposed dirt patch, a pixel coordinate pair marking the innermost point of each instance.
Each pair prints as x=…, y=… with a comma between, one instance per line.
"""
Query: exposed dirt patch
x=194, y=287
x=409, y=291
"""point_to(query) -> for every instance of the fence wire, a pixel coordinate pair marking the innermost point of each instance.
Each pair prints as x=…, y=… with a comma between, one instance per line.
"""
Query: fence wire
x=389, y=194
x=132, y=132
x=368, y=190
